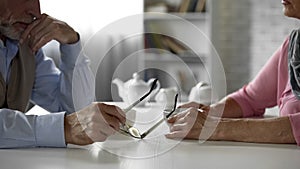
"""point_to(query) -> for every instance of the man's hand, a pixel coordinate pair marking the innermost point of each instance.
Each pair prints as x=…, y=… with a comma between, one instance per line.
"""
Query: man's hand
x=46, y=28
x=93, y=124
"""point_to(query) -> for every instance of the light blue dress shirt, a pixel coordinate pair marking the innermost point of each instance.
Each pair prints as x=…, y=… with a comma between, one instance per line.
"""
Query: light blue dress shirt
x=61, y=90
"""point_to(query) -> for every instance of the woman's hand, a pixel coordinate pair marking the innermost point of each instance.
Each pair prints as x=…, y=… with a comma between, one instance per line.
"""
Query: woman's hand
x=192, y=123
x=196, y=124
x=194, y=105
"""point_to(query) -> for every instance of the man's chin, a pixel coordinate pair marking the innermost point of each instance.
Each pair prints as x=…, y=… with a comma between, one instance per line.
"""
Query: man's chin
x=11, y=32
x=14, y=35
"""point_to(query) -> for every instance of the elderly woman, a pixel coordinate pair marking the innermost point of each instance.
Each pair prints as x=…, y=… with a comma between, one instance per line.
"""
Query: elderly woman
x=278, y=83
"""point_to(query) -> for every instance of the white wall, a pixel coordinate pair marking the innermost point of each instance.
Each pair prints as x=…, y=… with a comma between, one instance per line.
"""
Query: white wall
x=96, y=20
x=246, y=33
x=89, y=16
x=269, y=29
x=230, y=34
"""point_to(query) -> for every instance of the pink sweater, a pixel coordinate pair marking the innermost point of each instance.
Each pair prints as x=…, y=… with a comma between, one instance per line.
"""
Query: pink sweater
x=271, y=87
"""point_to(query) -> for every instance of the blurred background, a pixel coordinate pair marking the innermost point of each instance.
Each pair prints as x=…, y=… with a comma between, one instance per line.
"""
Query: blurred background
x=245, y=33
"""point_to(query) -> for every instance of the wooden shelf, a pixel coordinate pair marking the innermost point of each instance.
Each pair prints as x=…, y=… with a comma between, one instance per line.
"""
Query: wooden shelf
x=156, y=57
x=159, y=59
x=152, y=16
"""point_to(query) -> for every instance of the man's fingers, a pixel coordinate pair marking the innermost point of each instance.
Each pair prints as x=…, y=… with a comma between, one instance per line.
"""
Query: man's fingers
x=104, y=128
x=39, y=41
x=43, y=24
x=112, y=121
x=36, y=31
x=113, y=111
x=26, y=33
x=41, y=34
x=96, y=135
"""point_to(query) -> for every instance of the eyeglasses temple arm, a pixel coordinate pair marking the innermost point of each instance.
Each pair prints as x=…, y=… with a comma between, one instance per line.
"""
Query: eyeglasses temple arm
x=142, y=98
x=158, y=123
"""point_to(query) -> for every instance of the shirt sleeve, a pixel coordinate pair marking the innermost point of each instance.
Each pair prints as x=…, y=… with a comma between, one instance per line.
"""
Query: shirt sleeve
x=67, y=88
x=20, y=130
x=77, y=76
x=260, y=93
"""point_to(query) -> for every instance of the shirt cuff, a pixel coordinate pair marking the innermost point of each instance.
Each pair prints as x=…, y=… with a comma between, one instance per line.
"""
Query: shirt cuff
x=295, y=123
x=70, y=54
x=50, y=130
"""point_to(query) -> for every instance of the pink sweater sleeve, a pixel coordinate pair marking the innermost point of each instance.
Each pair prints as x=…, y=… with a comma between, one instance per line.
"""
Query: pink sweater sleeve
x=263, y=91
x=270, y=88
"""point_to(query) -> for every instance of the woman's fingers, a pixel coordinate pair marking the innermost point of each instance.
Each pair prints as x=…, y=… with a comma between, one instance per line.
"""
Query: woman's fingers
x=188, y=124
x=176, y=134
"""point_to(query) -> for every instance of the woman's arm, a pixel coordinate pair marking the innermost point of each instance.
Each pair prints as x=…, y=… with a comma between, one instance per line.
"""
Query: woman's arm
x=231, y=109
x=195, y=124
x=227, y=108
x=267, y=130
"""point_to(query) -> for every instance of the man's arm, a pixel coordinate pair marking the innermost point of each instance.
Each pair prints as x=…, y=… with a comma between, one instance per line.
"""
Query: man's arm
x=20, y=130
x=94, y=123
x=69, y=88
x=77, y=80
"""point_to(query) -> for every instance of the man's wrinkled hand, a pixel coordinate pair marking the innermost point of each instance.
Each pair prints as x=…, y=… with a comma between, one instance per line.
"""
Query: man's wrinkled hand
x=93, y=124
x=46, y=28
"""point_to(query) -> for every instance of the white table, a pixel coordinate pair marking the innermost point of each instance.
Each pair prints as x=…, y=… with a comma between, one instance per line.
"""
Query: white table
x=155, y=151
x=188, y=154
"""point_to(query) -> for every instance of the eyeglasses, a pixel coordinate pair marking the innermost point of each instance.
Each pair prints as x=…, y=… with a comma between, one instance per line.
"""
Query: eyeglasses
x=162, y=120
x=142, y=98
x=134, y=132
x=127, y=128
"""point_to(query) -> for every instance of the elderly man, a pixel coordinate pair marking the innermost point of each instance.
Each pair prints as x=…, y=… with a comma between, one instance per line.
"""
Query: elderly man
x=27, y=74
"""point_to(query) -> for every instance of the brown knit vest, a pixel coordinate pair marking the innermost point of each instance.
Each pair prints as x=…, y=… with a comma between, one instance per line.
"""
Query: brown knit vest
x=16, y=94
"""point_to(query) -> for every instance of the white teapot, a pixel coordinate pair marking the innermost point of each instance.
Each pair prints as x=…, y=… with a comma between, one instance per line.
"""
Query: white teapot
x=135, y=88
x=167, y=96
x=201, y=93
